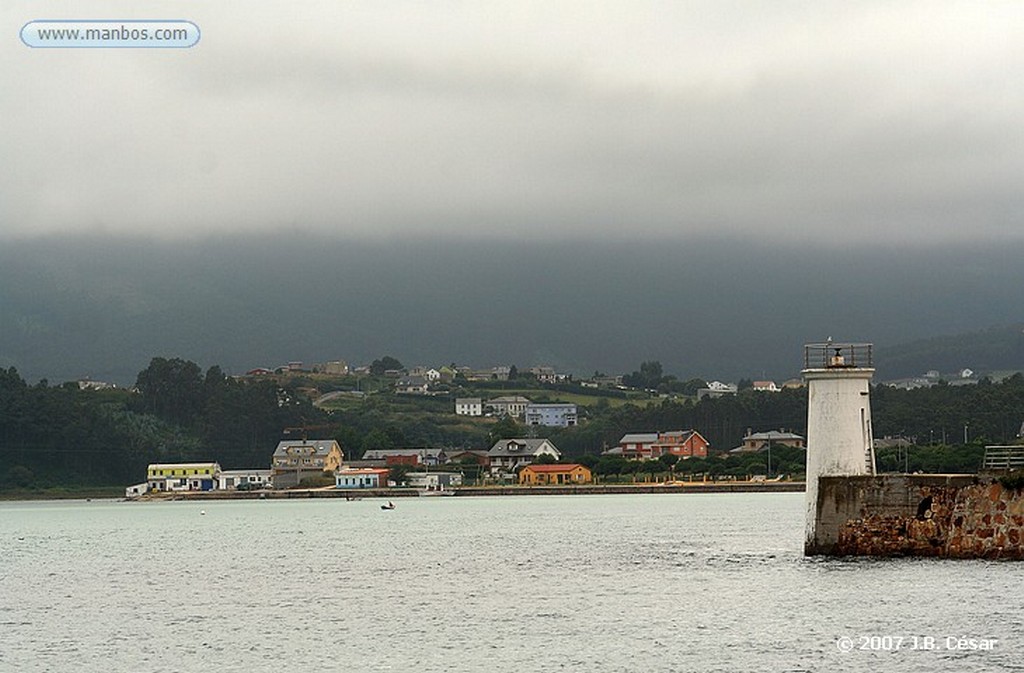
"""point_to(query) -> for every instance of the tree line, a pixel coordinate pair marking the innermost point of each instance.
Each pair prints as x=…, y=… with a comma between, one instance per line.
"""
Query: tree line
x=61, y=435
x=55, y=436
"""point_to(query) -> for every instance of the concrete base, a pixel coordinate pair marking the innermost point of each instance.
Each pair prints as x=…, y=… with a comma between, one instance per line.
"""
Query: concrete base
x=953, y=516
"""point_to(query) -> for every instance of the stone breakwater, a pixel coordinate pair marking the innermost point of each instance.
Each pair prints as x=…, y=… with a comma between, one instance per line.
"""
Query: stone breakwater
x=949, y=516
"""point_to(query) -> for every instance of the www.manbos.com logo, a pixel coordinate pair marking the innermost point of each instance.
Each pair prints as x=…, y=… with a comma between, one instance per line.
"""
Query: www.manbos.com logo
x=86, y=33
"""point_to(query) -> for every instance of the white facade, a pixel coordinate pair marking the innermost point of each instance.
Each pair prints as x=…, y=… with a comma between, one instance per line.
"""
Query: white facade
x=232, y=479
x=839, y=438
x=717, y=389
x=361, y=478
x=181, y=484
x=434, y=481
x=508, y=405
x=509, y=454
x=469, y=406
x=137, y=490
x=551, y=415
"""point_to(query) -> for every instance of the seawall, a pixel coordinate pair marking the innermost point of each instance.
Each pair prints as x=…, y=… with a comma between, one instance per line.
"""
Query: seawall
x=588, y=489
x=948, y=516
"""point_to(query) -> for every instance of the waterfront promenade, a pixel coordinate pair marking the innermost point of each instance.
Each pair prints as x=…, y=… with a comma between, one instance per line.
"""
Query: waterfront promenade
x=509, y=490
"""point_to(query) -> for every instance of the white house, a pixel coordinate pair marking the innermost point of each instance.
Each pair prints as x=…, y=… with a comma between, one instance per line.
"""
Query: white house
x=232, y=479
x=411, y=385
x=508, y=405
x=509, y=454
x=364, y=477
x=469, y=406
x=551, y=415
x=434, y=481
x=137, y=490
x=717, y=389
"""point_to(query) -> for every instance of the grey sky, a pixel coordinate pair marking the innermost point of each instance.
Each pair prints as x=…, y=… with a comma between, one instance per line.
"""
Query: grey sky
x=894, y=120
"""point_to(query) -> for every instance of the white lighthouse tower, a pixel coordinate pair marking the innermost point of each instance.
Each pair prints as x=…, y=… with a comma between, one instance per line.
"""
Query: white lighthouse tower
x=839, y=441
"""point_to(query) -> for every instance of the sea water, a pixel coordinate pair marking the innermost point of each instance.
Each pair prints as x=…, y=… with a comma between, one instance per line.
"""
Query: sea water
x=675, y=582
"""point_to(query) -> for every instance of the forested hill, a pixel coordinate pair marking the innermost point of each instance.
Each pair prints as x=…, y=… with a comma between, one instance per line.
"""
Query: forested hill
x=992, y=350
x=56, y=436
x=53, y=436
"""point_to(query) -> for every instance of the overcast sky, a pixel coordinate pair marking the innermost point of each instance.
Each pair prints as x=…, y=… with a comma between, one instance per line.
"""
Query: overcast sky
x=794, y=122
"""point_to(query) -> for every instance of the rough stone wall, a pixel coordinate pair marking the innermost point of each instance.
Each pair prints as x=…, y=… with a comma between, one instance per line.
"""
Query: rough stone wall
x=987, y=521
x=954, y=516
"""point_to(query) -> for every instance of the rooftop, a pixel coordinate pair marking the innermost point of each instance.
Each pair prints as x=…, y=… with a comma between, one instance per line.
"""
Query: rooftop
x=558, y=467
x=526, y=446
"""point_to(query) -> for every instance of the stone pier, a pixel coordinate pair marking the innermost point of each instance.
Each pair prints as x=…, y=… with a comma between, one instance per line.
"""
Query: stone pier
x=950, y=516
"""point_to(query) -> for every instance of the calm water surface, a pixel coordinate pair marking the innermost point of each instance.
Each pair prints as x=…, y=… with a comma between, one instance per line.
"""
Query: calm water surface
x=712, y=582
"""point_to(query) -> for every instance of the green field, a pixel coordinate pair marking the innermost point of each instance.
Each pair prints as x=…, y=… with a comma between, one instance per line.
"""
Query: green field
x=574, y=398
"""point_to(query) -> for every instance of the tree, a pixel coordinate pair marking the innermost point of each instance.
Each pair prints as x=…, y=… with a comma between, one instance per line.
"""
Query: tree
x=506, y=428
x=381, y=365
x=649, y=376
x=691, y=386
x=545, y=459
x=668, y=460
x=397, y=472
x=171, y=390
x=377, y=439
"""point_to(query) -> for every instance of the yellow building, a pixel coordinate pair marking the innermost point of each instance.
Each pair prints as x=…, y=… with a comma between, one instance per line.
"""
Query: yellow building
x=300, y=459
x=182, y=476
x=544, y=475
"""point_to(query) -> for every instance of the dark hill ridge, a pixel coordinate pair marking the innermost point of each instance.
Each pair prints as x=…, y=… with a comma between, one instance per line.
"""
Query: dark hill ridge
x=724, y=309
x=991, y=350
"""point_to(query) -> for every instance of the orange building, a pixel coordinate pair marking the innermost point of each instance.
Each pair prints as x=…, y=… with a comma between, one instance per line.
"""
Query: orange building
x=544, y=475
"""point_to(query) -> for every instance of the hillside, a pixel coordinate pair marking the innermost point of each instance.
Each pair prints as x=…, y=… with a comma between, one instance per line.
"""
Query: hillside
x=103, y=306
x=997, y=349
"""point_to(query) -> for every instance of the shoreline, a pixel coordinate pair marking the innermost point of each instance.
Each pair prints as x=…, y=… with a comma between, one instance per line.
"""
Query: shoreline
x=476, y=491
x=99, y=493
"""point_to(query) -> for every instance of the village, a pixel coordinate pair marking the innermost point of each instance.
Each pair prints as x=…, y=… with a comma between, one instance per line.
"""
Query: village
x=522, y=461
x=529, y=457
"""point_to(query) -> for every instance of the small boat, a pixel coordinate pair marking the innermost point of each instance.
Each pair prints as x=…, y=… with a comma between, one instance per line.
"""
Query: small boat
x=390, y=505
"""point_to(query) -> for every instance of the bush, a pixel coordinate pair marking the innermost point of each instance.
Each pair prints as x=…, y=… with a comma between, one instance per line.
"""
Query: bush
x=21, y=476
x=1013, y=481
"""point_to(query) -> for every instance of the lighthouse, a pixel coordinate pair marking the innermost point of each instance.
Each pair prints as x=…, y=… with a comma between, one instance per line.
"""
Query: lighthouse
x=839, y=440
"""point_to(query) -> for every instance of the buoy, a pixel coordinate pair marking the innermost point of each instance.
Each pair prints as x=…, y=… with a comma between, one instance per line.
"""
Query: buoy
x=202, y=512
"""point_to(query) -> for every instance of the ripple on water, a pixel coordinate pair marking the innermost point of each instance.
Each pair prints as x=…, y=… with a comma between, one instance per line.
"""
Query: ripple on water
x=605, y=583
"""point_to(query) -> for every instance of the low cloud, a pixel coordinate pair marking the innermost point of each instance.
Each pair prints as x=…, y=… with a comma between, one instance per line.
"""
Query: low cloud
x=825, y=125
